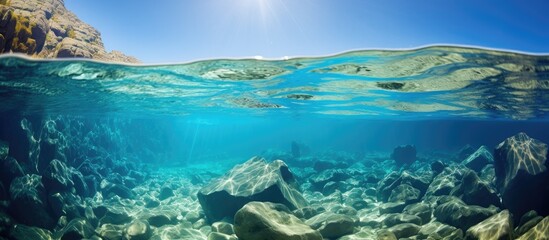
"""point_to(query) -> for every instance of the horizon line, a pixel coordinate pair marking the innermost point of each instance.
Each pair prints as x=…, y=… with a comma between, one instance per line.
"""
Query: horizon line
x=285, y=58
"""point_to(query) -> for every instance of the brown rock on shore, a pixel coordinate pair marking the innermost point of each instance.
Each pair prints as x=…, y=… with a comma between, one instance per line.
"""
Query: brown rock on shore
x=46, y=29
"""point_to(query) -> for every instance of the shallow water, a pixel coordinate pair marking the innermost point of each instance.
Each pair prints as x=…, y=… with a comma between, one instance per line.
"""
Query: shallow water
x=180, y=126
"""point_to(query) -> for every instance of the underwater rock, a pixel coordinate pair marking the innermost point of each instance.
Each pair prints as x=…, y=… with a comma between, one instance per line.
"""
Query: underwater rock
x=330, y=187
x=540, y=231
x=332, y=225
x=29, y=202
x=446, y=181
x=57, y=177
x=193, y=216
x=200, y=224
x=139, y=176
x=456, y=213
x=87, y=168
x=521, y=174
x=437, y=166
x=398, y=218
x=437, y=230
x=112, y=189
x=65, y=204
x=359, y=204
x=362, y=234
x=180, y=231
x=22, y=232
x=405, y=154
x=488, y=174
x=80, y=185
x=421, y=210
x=479, y=159
x=345, y=210
x=385, y=234
x=254, y=180
x=223, y=227
x=110, y=231
x=92, y=184
x=404, y=193
x=265, y=220
x=111, y=215
x=4, y=150
x=465, y=152
x=76, y=229
x=6, y=223
x=151, y=203
x=523, y=228
x=528, y=216
x=322, y=165
x=499, y=226
x=527, y=221
x=138, y=230
x=404, y=230
x=474, y=191
x=306, y=212
x=221, y=236
x=9, y=170
x=392, y=207
x=319, y=180
x=165, y=192
x=49, y=151
x=392, y=181
x=159, y=220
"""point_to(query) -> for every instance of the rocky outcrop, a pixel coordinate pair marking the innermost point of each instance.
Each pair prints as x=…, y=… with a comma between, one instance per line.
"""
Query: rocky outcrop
x=29, y=202
x=540, y=231
x=138, y=230
x=22, y=232
x=404, y=154
x=76, y=229
x=405, y=186
x=437, y=230
x=499, y=226
x=474, y=191
x=46, y=29
x=331, y=225
x=521, y=174
x=264, y=220
x=456, y=213
x=479, y=159
x=254, y=180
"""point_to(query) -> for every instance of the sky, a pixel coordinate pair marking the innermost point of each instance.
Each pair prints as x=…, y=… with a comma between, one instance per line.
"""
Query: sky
x=168, y=31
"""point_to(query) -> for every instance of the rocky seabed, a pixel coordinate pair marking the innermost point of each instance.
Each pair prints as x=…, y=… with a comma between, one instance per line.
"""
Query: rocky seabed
x=65, y=189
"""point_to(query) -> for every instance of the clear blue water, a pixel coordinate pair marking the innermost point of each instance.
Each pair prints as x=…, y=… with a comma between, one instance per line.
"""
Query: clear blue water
x=172, y=121
x=428, y=83
x=438, y=98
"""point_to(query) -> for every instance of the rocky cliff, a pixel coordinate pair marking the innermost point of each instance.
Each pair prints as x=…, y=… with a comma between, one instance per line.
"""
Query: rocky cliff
x=46, y=29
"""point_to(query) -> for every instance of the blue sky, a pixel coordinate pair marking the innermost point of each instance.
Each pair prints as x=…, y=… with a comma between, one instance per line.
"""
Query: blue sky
x=163, y=31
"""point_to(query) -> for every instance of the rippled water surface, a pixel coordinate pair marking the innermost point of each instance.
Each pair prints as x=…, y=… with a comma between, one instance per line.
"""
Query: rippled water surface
x=426, y=83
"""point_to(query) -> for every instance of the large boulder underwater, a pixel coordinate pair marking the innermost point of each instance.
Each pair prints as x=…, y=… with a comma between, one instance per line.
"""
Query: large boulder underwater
x=266, y=220
x=483, y=194
x=521, y=174
x=254, y=180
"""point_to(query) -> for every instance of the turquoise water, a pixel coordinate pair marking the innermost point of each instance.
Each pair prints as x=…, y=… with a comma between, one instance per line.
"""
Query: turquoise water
x=439, y=98
x=146, y=127
x=427, y=83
